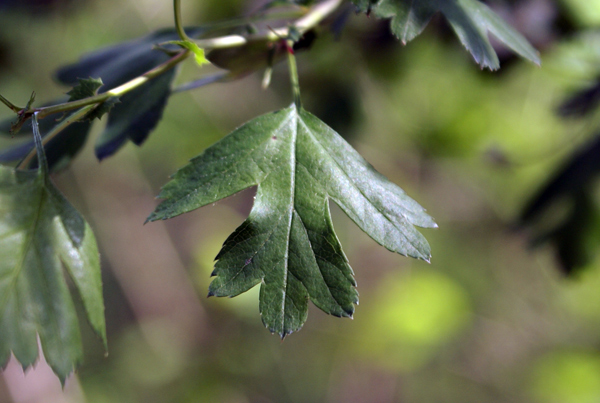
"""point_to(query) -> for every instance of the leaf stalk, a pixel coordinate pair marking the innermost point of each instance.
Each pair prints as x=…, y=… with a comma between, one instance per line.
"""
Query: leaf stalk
x=178, y=26
x=294, y=74
x=10, y=105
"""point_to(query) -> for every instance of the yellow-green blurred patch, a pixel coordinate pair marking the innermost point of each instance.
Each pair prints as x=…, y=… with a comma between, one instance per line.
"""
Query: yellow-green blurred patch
x=580, y=295
x=587, y=12
x=413, y=316
x=567, y=377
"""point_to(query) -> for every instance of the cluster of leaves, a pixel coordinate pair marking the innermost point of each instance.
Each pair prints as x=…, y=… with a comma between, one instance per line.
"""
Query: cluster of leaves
x=287, y=244
x=471, y=20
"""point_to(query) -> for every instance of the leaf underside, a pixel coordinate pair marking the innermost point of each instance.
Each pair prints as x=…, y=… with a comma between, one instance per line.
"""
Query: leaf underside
x=471, y=20
x=138, y=112
x=40, y=233
x=288, y=244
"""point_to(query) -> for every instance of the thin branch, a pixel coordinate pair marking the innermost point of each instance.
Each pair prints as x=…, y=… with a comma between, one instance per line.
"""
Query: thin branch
x=62, y=125
x=115, y=92
x=10, y=105
x=178, y=26
x=310, y=20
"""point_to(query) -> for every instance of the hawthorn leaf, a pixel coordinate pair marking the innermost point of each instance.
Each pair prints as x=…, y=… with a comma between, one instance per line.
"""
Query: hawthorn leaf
x=288, y=243
x=41, y=233
x=471, y=20
x=102, y=109
x=87, y=87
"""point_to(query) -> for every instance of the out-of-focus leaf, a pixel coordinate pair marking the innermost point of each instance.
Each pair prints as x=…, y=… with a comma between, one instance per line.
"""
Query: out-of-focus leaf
x=582, y=102
x=136, y=115
x=102, y=109
x=243, y=60
x=41, y=232
x=577, y=235
x=581, y=169
x=87, y=87
x=59, y=151
x=288, y=243
x=470, y=19
x=140, y=110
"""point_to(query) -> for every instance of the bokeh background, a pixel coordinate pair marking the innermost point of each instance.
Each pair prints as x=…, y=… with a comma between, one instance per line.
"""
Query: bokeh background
x=489, y=320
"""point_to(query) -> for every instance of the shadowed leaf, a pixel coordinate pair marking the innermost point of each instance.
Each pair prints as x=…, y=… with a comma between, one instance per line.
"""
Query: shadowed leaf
x=140, y=110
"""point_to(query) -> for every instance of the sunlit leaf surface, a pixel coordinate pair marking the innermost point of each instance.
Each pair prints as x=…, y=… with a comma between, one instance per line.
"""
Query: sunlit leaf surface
x=288, y=244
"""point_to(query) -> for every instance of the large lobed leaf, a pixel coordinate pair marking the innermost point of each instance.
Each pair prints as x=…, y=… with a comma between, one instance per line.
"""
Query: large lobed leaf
x=40, y=232
x=471, y=20
x=288, y=243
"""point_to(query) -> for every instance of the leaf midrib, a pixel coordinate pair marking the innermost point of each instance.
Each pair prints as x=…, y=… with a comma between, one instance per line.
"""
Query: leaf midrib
x=292, y=168
x=359, y=190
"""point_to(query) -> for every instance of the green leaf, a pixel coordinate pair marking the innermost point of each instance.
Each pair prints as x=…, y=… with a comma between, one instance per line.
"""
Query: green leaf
x=87, y=87
x=288, y=244
x=102, y=109
x=136, y=115
x=140, y=110
x=471, y=20
x=195, y=49
x=41, y=232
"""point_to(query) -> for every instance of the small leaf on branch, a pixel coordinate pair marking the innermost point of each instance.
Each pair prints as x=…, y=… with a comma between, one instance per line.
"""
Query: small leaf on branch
x=102, y=109
x=195, y=49
x=288, y=244
x=87, y=87
x=41, y=232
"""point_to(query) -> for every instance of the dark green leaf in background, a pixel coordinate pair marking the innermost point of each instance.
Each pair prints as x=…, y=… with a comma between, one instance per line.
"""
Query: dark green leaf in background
x=59, y=151
x=288, y=244
x=140, y=110
x=87, y=87
x=41, y=233
x=470, y=19
x=576, y=236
